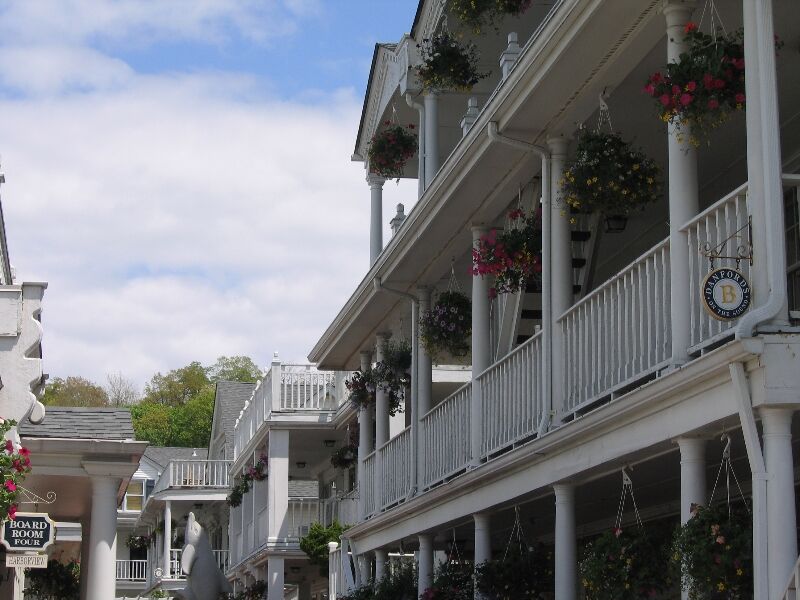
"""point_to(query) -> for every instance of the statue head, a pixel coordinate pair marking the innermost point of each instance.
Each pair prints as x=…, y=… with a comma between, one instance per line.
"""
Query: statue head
x=195, y=541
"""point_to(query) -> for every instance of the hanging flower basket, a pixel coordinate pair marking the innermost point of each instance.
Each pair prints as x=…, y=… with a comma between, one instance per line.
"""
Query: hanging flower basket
x=397, y=355
x=704, y=86
x=476, y=14
x=447, y=326
x=362, y=386
x=256, y=472
x=15, y=464
x=714, y=553
x=138, y=542
x=524, y=572
x=610, y=175
x=452, y=581
x=448, y=64
x=624, y=565
x=514, y=256
x=345, y=457
x=390, y=149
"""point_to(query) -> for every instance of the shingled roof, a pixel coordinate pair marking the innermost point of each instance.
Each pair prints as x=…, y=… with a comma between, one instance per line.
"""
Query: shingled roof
x=229, y=399
x=82, y=423
x=161, y=455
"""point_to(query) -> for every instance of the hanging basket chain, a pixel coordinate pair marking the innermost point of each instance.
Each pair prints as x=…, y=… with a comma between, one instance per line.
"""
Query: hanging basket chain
x=604, y=116
x=627, y=488
x=453, y=285
x=729, y=470
x=714, y=19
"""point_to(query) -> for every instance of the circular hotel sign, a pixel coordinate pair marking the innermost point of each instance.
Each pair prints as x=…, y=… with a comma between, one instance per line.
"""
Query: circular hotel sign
x=726, y=294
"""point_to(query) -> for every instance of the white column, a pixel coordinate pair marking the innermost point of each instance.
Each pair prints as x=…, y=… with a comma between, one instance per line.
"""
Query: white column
x=85, y=551
x=566, y=557
x=431, y=136
x=425, y=563
x=561, y=295
x=423, y=387
x=481, y=355
x=683, y=194
x=101, y=576
x=167, y=539
x=278, y=488
x=381, y=558
x=376, y=216
x=363, y=569
x=364, y=439
x=781, y=516
x=275, y=578
x=483, y=543
x=693, y=479
x=381, y=399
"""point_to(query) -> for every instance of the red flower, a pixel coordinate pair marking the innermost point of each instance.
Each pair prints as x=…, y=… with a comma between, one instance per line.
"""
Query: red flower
x=740, y=98
x=690, y=27
x=24, y=452
x=676, y=89
x=10, y=485
x=719, y=83
x=713, y=104
x=12, y=512
x=656, y=77
x=708, y=81
x=665, y=99
x=9, y=446
x=739, y=63
x=691, y=86
x=686, y=99
x=650, y=89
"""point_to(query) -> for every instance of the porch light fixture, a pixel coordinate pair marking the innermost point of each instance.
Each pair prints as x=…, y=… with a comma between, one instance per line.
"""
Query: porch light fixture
x=300, y=465
x=616, y=223
x=330, y=443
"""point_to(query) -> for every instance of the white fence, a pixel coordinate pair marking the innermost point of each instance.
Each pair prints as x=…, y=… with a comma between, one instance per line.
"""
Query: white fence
x=131, y=570
x=367, y=490
x=342, y=508
x=445, y=432
x=512, y=404
x=397, y=458
x=194, y=474
x=302, y=512
x=618, y=333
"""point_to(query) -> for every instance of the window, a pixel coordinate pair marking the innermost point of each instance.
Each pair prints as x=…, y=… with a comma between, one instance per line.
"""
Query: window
x=791, y=204
x=134, y=496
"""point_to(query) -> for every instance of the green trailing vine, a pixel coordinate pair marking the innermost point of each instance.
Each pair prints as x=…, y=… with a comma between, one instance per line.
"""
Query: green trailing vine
x=315, y=543
x=477, y=14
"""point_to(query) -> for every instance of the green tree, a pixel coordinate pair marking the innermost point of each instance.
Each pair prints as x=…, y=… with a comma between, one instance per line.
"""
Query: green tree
x=234, y=368
x=152, y=422
x=315, y=543
x=191, y=423
x=177, y=386
x=74, y=391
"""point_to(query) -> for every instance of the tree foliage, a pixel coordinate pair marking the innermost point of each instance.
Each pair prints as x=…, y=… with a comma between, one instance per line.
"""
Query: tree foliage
x=74, y=391
x=315, y=543
x=234, y=368
x=178, y=386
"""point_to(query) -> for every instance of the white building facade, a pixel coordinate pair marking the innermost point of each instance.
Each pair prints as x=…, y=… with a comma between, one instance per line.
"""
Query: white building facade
x=611, y=362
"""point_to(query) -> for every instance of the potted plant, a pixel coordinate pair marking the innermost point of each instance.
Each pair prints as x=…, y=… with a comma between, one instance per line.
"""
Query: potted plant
x=15, y=464
x=523, y=572
x=138, y=542
x=391, y=148
x=475, y=14
x=713, y=553
x=452, y=581
x=400, y=583
x=397, y=355
x=514, y=256
x=363, y=384
x=611, y=176
x=448, y=64
x=345, y=457
x=704, y=86
x=624, y=565
x=447, y=326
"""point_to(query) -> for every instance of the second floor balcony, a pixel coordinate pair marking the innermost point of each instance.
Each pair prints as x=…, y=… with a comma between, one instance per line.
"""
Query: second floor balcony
x=194, y=475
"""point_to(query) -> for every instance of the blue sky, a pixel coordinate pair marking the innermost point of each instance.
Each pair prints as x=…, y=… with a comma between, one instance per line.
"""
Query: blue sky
x=179, y=172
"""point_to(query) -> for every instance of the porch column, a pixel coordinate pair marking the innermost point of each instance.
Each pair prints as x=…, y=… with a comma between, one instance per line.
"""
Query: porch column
x=483, y=543
x=566, y=556
x=683, y=194
x=364, y=440
x=166, y=565
x=481, y=355
x=275, y=578
x=85, y=550
x=781, y=517
x=561, y=295
x=425, y=563
x=376, y=216
x=431, y=136
x=424, y=387
x=381, y=424
x=101, y=575
x=693, y=479
x=278, y=491
x=381, y=558
x=764, y=160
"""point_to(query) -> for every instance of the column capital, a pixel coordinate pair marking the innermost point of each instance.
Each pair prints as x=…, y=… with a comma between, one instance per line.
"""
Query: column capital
x=375, y=181
x=564, y=492
x=481, y=518
x=558, y=145
x=678, y=11
x=692, y=446
x=776, y=421
x=423, y=292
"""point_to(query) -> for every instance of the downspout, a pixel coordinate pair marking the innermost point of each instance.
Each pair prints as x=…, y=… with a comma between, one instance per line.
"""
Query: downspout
x=547, y=317
x=414, y=374
x=421, y=144
x=759, y=472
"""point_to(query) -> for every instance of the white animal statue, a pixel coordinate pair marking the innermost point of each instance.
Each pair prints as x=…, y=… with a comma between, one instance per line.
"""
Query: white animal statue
x=204, y=580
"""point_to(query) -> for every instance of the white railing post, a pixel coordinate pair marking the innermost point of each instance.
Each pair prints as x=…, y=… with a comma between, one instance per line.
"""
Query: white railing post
x=275, y=375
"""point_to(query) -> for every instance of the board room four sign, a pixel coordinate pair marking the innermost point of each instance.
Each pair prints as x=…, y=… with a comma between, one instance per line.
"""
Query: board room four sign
x=28, y=532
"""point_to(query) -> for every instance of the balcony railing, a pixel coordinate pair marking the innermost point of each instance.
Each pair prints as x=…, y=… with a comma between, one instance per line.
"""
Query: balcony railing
x=343, y=509
x=612, y=340
x=222, y=557
x=131, y=570
x=205, y=474
x=289, y=388
x=302, y=512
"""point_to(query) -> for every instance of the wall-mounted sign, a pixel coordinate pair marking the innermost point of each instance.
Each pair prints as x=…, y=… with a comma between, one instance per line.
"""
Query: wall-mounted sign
x=726, y=294
x=27, y=561
x=28, y=532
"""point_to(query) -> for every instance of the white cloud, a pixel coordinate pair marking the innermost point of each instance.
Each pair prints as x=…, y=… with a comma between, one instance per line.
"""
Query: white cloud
x=176, y=221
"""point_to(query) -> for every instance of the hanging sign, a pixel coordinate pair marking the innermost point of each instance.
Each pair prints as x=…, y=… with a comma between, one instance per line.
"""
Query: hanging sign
x=27, y=532
x=726, y=294
x=26, y=561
